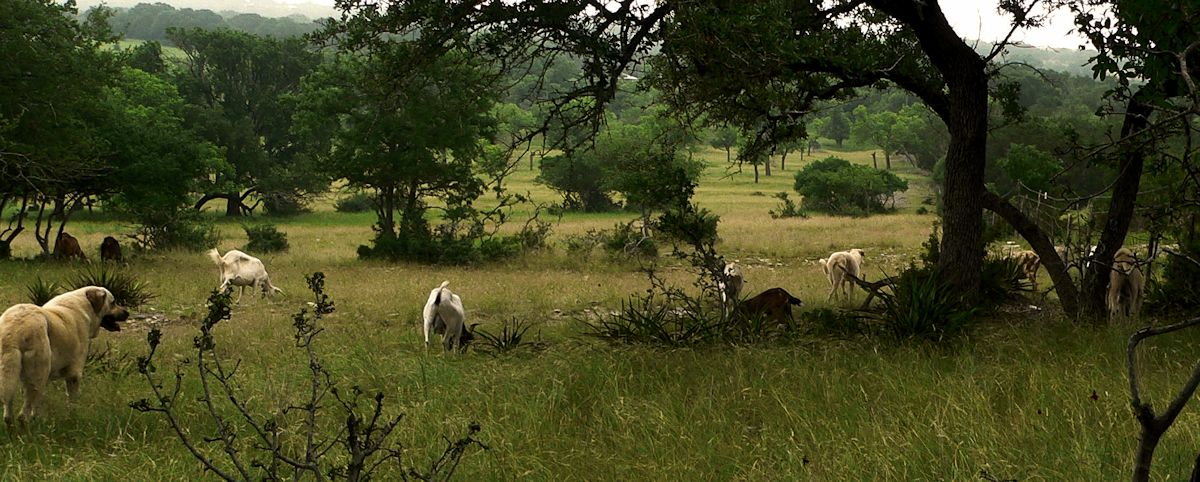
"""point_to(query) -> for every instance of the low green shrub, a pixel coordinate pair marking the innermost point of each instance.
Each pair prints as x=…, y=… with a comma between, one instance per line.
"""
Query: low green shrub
x=182, y=229
x=127, y=289
x=265, y=238
x=836, y=186
x=917, y=304
x=355, y=203
x=787, y=208
x=41, y=291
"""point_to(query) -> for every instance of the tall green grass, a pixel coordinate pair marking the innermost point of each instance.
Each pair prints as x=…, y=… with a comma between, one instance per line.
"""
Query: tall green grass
x=1012, y=396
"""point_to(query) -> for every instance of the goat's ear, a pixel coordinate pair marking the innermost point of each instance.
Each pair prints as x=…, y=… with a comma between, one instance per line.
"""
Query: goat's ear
x=96, y=296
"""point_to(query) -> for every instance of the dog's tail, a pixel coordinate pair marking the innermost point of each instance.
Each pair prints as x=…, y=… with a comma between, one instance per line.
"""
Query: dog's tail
x=438, y=299
x=215, y=256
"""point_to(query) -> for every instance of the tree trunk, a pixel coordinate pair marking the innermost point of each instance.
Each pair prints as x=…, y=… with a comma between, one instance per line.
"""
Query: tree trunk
x=1120, y=208
x=728, y=155
x=963, y=107
x=783, y=160
x=874, y=160
x=756, y=173
x=233, y=204
x=1145, y=454
x=767, y=167
x=887, y=159
x=838, y=140
x=1031, y=232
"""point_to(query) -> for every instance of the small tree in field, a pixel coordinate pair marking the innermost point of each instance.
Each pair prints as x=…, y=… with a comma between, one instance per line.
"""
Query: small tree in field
x=837, y=127
x=650, y=173
x=837, y=186
x=724, y=138
x=406, y=128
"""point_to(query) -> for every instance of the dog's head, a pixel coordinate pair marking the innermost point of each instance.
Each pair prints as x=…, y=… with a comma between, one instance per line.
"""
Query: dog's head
x=859, y=252
x=106, y=308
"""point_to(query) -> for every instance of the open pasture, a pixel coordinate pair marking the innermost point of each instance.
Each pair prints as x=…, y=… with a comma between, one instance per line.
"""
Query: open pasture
x=1025, y=396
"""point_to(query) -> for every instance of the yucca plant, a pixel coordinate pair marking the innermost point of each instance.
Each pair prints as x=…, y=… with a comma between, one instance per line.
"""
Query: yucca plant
x=127, y=289
x=510, y=337
x=41, y=291
x=917, y=304
x=644, y=320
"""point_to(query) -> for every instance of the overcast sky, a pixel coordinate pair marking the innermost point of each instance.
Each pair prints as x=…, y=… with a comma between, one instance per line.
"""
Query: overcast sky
x=971, y=19
x=978, y=19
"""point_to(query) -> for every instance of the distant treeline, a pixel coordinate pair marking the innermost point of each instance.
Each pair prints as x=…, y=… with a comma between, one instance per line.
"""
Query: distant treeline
x=150, y=21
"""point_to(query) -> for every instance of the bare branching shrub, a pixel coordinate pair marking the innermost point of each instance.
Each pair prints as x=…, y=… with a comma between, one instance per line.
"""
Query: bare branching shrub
x=264, y=447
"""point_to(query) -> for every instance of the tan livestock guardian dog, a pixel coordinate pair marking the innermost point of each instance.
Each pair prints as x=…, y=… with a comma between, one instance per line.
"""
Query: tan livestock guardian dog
x=43, y=343
x=1125, y=286
x=837, y=266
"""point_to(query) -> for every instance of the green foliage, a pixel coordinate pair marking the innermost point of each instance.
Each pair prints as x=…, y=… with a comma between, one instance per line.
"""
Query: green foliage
x=511, y=337
x=127, y=289
x=642, y=163
x=239, y=88
x=835, y=185
x=159, y=159
x=150, y=21
x=409, y=130
x=917, y=305
x=724, y=138
x=40, y=291
x=359, y=202
x=265, y=238
x=1027, y=165
x=580, y=178
x=1178, y=289
x=787, y=208
x=837, y=127
x=833, y=323
x=646, y=320
x=183, y=229
x=362, y=433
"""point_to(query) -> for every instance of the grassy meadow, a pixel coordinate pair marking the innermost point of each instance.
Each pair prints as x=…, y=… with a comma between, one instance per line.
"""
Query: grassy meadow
x=1024, y=396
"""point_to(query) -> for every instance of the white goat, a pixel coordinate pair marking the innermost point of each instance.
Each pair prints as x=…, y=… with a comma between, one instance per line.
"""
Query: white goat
x=731, y=284
x=444, y=314
x=242, y=270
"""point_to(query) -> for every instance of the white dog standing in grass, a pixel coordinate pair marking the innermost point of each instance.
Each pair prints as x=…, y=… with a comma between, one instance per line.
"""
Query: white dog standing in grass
x=840, y=264
x=242, y=270
x=444, y=314
x=731, y=286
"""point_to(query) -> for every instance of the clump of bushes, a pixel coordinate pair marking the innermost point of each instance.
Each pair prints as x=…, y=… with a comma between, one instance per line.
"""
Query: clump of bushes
x=836, y=186
x=181, y=229
x=41, y=291
x=623, y=241
x=787, y=208
x=355, y=203
x=265, y=238
x=127, y=289
x=1179, y=287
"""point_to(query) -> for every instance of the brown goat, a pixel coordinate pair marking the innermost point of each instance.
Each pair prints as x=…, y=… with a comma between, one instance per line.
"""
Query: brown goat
x=774, y=304
x=66, y=246
x=110, y=250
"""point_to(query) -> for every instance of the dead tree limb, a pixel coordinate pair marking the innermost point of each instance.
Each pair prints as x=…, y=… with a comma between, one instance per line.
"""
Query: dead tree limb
x=1153, y=425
